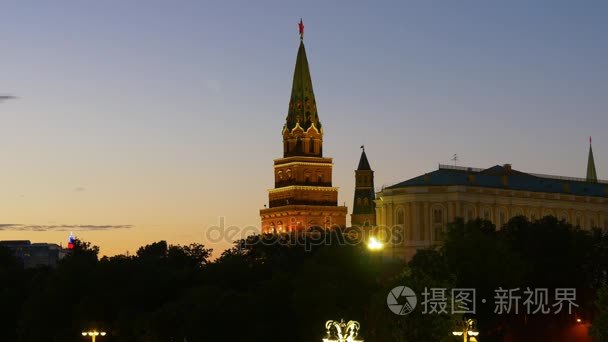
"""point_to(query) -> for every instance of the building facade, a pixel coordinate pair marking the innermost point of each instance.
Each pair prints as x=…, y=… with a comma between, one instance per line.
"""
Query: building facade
x=364, y=209
x=35, y=254
x=303, y=195
x=420, y=208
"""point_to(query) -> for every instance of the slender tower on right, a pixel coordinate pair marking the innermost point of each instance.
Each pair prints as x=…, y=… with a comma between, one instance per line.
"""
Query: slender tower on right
x=591, y=174
x=364, y=207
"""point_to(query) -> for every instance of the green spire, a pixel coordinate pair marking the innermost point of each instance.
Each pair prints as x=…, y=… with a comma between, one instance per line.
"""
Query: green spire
x=302, y=104
x=591, y=174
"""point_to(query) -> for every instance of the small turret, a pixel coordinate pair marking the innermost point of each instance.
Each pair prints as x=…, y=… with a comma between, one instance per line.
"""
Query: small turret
x=364, y=207
x=591, y=173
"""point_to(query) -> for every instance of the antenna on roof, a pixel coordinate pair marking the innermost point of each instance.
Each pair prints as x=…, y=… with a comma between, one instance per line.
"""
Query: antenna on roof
x=455, y=159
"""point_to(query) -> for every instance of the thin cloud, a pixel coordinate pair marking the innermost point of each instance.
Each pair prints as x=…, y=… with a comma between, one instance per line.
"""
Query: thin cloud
x=7, y=97
x=60, y=227
x=80, y=188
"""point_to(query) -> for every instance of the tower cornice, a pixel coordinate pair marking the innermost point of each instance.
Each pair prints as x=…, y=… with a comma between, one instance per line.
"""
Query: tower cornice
x=303, y=187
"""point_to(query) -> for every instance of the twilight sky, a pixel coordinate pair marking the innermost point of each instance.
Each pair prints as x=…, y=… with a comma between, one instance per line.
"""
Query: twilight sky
x=146, y=120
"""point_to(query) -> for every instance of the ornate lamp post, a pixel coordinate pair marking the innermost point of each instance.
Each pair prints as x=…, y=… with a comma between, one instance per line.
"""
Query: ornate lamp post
x=468, y=329
x=93, y=334
x=342, y=332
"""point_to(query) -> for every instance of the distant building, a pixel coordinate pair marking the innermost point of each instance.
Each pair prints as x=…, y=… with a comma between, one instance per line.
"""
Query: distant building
x=422, y=207
x=35, y=254
x=303, y=195
x=364, y=208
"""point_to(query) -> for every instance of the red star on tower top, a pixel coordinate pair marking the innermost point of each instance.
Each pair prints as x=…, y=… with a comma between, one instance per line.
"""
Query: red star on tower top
x=301, y=28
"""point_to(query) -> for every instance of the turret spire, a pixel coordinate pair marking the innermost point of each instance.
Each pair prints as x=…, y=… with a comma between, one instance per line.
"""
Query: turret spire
x=363, y=162
x=302, y=104
x=591, y=173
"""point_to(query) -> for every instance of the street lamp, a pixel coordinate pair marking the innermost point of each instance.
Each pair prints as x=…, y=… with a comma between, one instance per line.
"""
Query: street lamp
x=342, y=332
x=374, y=244
x=93, y=334
x=468, y=329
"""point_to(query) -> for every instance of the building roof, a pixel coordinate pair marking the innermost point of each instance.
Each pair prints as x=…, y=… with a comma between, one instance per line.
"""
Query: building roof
x=15, y=243
x=504, y=177
x=302, y=104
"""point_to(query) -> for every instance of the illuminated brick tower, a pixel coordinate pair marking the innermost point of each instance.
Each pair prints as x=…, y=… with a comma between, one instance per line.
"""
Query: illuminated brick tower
x=303, y=195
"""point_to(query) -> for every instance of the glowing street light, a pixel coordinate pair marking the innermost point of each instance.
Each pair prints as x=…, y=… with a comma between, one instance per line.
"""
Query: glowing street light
x=468, y=329
x=93, y=334
x=374, y=244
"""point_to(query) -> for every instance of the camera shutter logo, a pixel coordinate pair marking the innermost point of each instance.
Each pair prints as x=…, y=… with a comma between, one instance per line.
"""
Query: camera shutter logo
x=401, y=300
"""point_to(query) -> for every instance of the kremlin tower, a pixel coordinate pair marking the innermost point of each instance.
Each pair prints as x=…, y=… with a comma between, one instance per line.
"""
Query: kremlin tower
x=303, y=195
x=364, y=208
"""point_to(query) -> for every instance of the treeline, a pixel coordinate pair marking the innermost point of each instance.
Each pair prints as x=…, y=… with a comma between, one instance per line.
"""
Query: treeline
x=280, y=289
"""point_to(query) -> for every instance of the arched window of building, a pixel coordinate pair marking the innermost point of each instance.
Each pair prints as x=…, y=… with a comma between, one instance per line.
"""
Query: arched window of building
x=437, y=216
x=438, y=223
x=469, y=213
x=533, y=214
x=502, y=216
x=579, y=220
x=398, y=232
x=358, y=200
x=563, y=216
x=487, y=214
x=365, y=201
